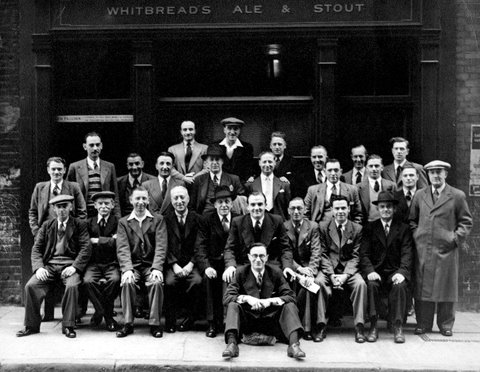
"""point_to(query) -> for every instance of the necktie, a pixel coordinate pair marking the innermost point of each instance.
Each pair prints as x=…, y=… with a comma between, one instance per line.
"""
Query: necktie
x=268, y=194
x=259, y=280
x=164, y=188
x=359, y=177
x=181, y=222
x=277, y=161
x=296, y=228
x=319, y=177
x=408, y=197
x=339, y=231
x=95, y=165
x=333, y=194
x=215, y=180
x=436, y=195
x=258, y=230
x=136, y=182
x=61, y=230
x=387, y=229
x=376, y=187
x=399, y=172
x=225, y=224
x=103, y=223
x=56, y=190
x=188, y=156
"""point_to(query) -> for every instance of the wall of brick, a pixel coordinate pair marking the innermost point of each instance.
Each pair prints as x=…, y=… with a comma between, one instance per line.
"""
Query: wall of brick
x=10, y=258
x=468, y=113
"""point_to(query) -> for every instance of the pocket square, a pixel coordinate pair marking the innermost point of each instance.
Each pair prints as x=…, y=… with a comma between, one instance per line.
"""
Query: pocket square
x=281, y=190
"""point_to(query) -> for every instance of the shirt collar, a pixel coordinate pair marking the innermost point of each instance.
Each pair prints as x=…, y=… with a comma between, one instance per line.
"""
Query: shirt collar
x=254, y=221
x=160, y=179
x=330, y=185
x=402, y=164
x=372, y=182
x=440, y=189
x=133, y=216
x=343, y=224
x=90, y=163
x=255, y=273
x=229, y=217
x=219, y=175
x=362, y=171
x=324, y=175
x=412, y=191
x=384, y=223
x=264, y=176
x=300, y=223
x=185, y=143
x=99, y=218
x=53, y=184
x=64, y=222
x=234, y=146
x=184, y=216
x=131, y=179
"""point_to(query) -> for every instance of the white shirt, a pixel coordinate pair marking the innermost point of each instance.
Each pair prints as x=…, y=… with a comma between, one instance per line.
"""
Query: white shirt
x=131, y=179
x=228, y=217
x=90, y=163
x=396, y=165
x=182, y=216
x=440, y=189
x=324, y=176
x=160, y=179
x=267, y=188
x=355, y=172
x=234, y=146
x=254, y=221
x=53, y=184
x=219, y=176
x=99, y=218
x=64, y=223
x=329, y=189
x=372, y=183
x=256, y=273
x=185, y=145
x=389, y=224
x=133, y=216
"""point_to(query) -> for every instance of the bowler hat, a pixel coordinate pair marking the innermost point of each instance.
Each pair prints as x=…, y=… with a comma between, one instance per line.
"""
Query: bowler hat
x=437, y=164
x=223, y=192
x=386, y=197
x=232, y=121
x=61, y=199
x=103, y=194
x=214, y=150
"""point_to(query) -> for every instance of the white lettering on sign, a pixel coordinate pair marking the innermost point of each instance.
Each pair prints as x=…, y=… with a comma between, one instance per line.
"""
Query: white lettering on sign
x=255, y=9
x=95, y=119
x=158, y=10
x=338, y=8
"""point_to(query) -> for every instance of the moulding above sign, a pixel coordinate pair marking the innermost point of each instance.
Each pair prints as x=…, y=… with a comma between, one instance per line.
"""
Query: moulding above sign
x=95, y=119
x=228, y=13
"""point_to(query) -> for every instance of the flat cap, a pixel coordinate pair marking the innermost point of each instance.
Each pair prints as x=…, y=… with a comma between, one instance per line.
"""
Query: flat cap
x=61, y=199
x=232, y=121
x=437, y=164
x=103, y=194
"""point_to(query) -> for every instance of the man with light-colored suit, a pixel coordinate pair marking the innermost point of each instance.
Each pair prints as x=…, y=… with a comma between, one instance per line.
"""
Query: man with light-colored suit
x=369, y=189
x=318, y=201
x=188, y=153
x=358, y=173
x=159, y=188
x=93, y=174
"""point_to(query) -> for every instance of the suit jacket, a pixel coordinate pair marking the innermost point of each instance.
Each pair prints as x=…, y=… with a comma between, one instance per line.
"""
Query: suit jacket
x=364, y=193
x=105, y=252
x=198, y=197
x=285, y=168
x=142, y=246
x=157, y=204
x=241, y=163
x=77, y=243
x=340, y=257
x=439, y=231
x=241, y=237
x=387, y=255
x=244, y=283
x=315, y=202
x=347, y=177
x=211, y=240
x=402, y=210
x=124, y=191
x=78, y=172
x=303, y=181
x=181, y=252
x=196, y=162
x=281, y=195
x=38, y=211
x=308, y=252
x=389, y=174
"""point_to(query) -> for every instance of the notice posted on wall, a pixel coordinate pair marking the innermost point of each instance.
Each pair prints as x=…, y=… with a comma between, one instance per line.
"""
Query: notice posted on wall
x=475, y=161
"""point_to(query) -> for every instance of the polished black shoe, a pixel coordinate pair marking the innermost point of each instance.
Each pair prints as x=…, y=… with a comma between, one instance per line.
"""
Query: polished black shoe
x=138, y=313
x=211, y=331
x=170, y=326
x=294, y=351
x=111, y=325
x=419, y=331
x=156, y=331
x=69, y=332
x=398, y=336
x=446, y=332
x=96, y=319
x=372, y=334
x=78, y=320
x=320, y=334
x=231, y=351
x=114, y=313
x=359, y=334
x=307, y=336
x=27, y=331
x=126, y=330
x=186, y=325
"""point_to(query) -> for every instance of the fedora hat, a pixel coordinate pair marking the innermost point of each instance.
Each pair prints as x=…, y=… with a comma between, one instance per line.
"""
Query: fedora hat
x=214, y=150
x=386, y=197
x=223, y=192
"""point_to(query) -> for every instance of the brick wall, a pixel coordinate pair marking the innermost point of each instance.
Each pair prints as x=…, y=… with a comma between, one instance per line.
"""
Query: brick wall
x=10, y=258
x=468, y=113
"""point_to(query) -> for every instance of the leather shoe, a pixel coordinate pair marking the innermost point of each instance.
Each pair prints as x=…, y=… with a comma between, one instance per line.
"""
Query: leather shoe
x=307, y=336
x=419, y=331
x=156, y=332
x=231, y=351
x=170, y=326
x=96, y=319
x=294, y=351
x=359, y=334
x=186, y=325
x=446, y=332
x=138, y=313
x=27, y=331
x=69, y=332
x=126, y=330
x=372, y=334
x=321, y=333
x=211, y=332
x=398, y=336
x=111, y=325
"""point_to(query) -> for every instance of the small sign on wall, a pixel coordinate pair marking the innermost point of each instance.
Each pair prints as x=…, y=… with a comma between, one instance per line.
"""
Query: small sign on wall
x=475, y=161
x=95, y=119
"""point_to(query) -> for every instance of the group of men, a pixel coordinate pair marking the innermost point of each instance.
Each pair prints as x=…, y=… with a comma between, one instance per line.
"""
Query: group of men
x=273, y=250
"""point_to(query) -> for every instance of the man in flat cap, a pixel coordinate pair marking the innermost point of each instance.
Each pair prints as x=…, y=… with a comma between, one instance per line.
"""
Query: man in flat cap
x=103, y=263
x=239, y=154
x=386, y=264
x=60, y=253
x=440, y=220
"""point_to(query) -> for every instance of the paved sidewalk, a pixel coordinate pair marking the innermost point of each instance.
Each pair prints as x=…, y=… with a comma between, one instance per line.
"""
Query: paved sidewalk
x=99, y=350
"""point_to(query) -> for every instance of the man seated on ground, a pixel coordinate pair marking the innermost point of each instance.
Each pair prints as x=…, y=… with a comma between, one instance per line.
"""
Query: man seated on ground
x=60, y=253
x=103, y=263
x=251, y=307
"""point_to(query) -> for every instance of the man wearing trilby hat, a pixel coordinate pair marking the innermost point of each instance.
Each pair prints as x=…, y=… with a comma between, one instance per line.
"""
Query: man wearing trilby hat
x=440, y=220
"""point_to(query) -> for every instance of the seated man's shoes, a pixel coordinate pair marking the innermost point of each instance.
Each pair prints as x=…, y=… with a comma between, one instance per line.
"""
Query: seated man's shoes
x=446, y=332
x=307, y=336
x=320, y=334
x=126, y=330
x=359, y=334
x=69, y=332
x=372, y=334
x=156, y=331
x=170, y=326
x=420, y=331
x=96, y=319
x=27, y=331
x=231, y=351
x=211, y=331
x=111, y=325
x=186, y=325
x=138, y=313
x=294, y=351
x=398, y=336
